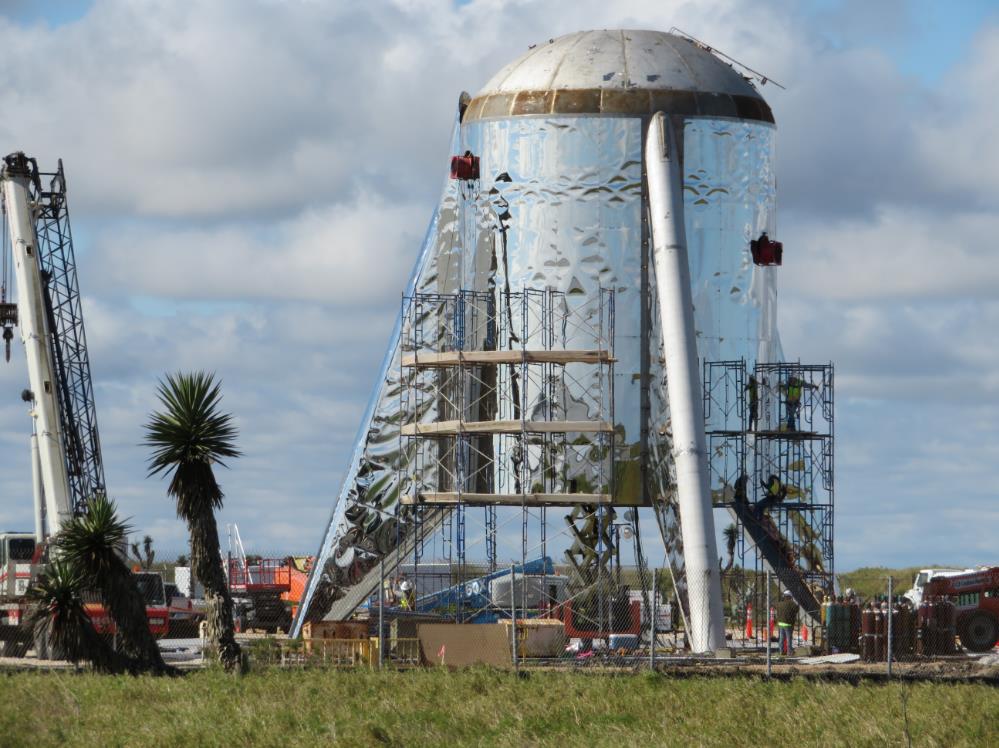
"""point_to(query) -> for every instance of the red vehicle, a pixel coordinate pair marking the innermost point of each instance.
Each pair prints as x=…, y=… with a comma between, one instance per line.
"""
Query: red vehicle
x=157, y=608
x=267, y=590
x=185, y=613
x=619, y=621
x=975, y=594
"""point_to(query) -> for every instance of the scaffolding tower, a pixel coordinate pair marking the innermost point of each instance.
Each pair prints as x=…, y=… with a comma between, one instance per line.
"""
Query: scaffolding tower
x=509, y=397
x=770, y=439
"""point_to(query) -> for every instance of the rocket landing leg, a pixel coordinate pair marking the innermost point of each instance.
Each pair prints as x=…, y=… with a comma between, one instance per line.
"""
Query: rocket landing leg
x=669, y=247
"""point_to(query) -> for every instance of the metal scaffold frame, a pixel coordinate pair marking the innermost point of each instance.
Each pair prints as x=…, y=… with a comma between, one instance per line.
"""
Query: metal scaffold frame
x=494, y=398
x=775, y=423
x=512, y=405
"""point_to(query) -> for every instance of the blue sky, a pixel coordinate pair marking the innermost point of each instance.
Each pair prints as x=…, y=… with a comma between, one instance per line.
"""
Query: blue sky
x=235, y=166
x=924, y=37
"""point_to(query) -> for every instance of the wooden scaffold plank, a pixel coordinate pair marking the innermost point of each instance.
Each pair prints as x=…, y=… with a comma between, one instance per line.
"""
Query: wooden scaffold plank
x=452, y=428
x=456, y=358
x=506, y=499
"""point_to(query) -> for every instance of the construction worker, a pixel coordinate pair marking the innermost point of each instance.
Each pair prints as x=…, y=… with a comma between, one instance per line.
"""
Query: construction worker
x=753, y=388
x=740, y=489
x=388, y=589
x=406, y=597
x=787, y=617
x=776, y=492
x=792, y=399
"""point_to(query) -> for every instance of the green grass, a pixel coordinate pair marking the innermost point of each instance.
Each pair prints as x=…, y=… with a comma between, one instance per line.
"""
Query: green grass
x=870, y=581
x=483, y=707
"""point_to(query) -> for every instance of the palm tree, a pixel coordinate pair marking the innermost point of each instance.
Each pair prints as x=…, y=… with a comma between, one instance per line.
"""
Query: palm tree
x=95, y=542
x=731, y=534
x=59, y=618
x=188, y=437
x=731, y=537
x=146, y=555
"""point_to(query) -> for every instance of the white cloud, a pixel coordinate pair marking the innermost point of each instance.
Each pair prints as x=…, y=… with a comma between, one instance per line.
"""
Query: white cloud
x=898, y=253
x=957, y=139
x=250, y=181
x=347, y=254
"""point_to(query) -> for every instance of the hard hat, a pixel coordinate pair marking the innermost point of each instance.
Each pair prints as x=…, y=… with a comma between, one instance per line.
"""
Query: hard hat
x=405, y=585
x=787, y=593
x=850, y=592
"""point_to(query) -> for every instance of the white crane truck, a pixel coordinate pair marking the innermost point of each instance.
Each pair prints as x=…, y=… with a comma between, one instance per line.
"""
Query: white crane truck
x=66, y=459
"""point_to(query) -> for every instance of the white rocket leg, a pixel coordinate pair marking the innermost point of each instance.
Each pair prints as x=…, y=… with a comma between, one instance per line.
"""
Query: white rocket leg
x=669, y=247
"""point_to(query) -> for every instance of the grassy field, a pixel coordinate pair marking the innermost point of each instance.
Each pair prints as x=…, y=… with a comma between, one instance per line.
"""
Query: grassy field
x=873, y=580
x=482, y=707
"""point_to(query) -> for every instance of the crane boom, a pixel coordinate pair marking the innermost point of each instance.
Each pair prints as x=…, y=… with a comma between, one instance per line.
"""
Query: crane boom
x=33, y=319
x=66, y=465
x=82, y=445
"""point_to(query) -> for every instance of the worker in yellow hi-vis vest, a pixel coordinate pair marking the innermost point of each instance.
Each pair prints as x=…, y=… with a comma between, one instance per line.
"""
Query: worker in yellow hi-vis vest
x=407, y=598
x=793, y=390
x=787, y=617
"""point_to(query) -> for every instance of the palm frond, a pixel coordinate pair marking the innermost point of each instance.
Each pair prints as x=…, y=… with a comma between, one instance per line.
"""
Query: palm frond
x=59, y=616
x=731, y=534
x=95, y=544
x=190, y=428
x=94, y=540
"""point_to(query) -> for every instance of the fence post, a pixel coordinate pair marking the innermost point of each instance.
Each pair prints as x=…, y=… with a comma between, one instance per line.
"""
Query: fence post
x=891, y=607
x=766, y=624
x=653, y=627
x=513, y=615
x=600, y=577
x=381, y=613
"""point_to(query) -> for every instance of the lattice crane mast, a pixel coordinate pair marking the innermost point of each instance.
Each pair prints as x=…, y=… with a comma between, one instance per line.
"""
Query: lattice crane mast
x=67, y=466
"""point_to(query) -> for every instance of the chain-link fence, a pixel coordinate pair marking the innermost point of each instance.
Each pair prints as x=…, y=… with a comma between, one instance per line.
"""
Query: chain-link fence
x=535, y=614
x=48, y=614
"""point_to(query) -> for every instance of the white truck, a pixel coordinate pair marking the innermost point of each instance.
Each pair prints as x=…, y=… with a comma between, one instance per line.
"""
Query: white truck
x=915, y=593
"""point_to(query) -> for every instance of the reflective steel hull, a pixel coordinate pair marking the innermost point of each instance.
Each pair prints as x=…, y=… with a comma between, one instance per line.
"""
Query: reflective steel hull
x=562, y=204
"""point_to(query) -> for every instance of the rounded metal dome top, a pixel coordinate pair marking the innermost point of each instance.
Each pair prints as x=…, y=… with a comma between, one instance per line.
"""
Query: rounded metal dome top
x=619, y=72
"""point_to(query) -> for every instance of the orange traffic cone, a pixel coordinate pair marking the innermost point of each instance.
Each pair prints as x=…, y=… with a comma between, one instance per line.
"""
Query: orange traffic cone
x=804, y=633
x=749, y=621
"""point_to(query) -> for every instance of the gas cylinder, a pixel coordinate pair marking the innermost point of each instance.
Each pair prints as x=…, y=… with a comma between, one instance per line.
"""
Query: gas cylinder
x=926, y=626
x=904, y=630
x=881, y=631
x=896, y=615
x=946, y=626
x=868, y=635
x=855, y=615
x=829, y=622
x=839, y=627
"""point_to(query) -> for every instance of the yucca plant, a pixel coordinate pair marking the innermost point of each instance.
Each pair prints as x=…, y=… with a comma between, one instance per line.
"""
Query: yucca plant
x=59, y=618
x=731, y=538
x=94, y=542
x=189, y=437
